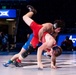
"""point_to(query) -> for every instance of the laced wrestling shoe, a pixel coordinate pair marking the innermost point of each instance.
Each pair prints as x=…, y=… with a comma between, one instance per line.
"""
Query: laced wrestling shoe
x=8, y=63
x=31, y=8
x=17, y=64
x=48, y=56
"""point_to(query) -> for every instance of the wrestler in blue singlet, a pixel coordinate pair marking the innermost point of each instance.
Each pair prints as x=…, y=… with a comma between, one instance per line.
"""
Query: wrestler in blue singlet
x=25, y=46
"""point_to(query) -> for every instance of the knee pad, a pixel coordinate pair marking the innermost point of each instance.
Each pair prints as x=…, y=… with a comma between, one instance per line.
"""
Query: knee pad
x=28, y=51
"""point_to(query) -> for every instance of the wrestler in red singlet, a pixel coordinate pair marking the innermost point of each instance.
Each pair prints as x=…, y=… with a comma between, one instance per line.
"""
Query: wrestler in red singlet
x=35, y=28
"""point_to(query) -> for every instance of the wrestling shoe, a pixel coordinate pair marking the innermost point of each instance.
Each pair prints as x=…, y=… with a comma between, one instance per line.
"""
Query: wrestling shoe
x=48, y=56
x=8, y=63
x=31, y=8
x=17, y=64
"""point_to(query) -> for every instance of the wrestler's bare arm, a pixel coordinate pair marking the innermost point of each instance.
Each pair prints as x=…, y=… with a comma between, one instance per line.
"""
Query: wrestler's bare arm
x=48, y=44
x=53, y=62
x=53, y=59
x=39, y=55
x=46, y=27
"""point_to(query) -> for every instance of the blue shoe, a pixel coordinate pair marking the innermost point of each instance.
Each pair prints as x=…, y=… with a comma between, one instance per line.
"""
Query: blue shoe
x=6, y=64
x=48, y=56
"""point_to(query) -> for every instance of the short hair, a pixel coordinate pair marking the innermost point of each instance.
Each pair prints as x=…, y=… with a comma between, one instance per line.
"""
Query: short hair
x=58, y=50
x=59, y=23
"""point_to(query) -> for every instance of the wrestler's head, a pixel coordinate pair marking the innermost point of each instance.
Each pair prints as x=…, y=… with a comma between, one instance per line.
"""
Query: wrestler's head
x=57, y=50
x=58, y=25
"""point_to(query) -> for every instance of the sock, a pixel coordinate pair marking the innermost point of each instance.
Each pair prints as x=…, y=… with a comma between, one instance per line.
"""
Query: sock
x=10, y=61
x=18, y=60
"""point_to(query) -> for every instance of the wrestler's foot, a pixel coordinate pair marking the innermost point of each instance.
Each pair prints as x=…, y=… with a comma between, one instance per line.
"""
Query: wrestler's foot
x=48, y=56
x=31, y=8
x=17, y=64
x=8, y=63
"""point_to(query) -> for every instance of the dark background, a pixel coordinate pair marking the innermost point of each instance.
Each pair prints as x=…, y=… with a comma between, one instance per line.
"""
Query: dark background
x=47, y=11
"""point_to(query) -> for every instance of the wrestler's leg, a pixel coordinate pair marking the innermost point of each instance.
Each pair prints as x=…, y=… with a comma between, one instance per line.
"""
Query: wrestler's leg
x=27, y=17
x=31, y=48
x=14, y=58
x=18, y=54
x=24, y=48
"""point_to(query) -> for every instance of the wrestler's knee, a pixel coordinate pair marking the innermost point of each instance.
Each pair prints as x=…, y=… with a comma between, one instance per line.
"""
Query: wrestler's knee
x=28, y=51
